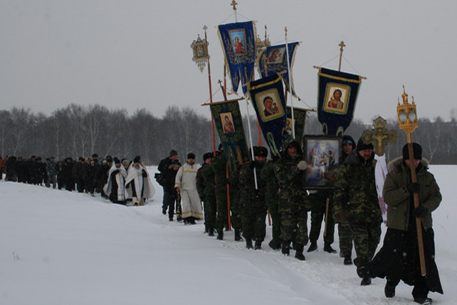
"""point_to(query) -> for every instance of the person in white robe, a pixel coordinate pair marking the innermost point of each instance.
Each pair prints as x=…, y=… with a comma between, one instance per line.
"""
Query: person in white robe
x=138, y=183
x=186, y=185
x=115, y=186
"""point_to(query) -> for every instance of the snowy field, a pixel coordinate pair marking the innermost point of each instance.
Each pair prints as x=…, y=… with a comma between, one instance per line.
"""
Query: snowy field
x=61, y=248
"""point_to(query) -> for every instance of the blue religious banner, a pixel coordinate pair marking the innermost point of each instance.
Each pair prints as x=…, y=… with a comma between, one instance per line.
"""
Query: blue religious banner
x=267, y=95
x=274, y=60
x=229, y=125
x=238, y=42
x=336, y=99
x=298, y=122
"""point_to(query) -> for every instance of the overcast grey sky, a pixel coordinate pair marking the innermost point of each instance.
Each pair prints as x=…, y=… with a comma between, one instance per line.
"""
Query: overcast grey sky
x=136, y=54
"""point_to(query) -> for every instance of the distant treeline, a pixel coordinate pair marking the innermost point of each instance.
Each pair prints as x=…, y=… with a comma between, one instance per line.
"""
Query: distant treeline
x=79, y=131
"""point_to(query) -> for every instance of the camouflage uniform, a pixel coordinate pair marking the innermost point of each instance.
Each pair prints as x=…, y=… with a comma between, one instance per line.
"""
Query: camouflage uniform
x=252, y=202
x=292, y=201
x=220, y=166
x=271, y=197
x=205, y=187
x=355, y=195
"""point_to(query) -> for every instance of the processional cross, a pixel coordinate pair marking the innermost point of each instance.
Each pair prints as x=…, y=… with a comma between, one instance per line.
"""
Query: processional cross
x=380, y=136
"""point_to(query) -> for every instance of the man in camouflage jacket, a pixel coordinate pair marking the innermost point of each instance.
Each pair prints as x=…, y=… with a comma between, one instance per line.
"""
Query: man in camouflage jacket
x=356, y=200
x=292, y=196
x=252, y=199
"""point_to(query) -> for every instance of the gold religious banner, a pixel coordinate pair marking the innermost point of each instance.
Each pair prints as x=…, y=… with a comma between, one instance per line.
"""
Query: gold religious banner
x=379, y=136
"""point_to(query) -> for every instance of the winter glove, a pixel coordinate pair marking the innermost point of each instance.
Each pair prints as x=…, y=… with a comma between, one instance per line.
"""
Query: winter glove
x=144, y=174
x=413, y=187
x=252, y=165
x=302, y=165
x=420, y=211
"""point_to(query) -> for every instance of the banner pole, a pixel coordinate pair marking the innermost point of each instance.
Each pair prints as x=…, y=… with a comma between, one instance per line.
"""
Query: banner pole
x=211, y=97
x=290, y=85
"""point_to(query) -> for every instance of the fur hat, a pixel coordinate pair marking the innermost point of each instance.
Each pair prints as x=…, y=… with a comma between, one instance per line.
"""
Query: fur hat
x=208, y=155
x=173, y=153
x=417, y=151
x=260, y=151
x=361, y=145
x=190, y=156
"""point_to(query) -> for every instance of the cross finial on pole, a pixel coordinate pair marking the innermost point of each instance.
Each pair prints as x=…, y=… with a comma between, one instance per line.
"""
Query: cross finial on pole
x=234, y=4
x=342, y=45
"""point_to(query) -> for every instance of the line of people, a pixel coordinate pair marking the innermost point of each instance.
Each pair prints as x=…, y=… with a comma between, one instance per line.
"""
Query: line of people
x=120, y=181
x=276, y=188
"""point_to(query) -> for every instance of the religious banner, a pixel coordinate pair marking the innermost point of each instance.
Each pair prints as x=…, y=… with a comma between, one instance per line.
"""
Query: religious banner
x=229, y=125
x=298, y=122
x=267, y=95
x=336, y=99
x=238, y=43
x=274, y=60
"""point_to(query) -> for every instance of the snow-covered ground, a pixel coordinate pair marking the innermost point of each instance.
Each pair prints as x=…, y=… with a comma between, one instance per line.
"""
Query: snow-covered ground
x=60, y=248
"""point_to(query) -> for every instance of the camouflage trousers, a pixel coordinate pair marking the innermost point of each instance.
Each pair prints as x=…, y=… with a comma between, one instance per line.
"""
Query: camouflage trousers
x=345, y=236
x=222, y=208
x=366, y=239
x=209, y=205
x=273, y=208
x=294, y=224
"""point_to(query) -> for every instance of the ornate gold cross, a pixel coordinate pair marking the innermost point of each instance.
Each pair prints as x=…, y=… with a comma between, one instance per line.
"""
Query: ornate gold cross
x=379, y=136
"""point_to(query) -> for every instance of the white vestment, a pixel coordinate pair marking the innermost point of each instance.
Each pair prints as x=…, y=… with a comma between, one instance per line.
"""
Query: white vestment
x=143, y=185
x=190, y=200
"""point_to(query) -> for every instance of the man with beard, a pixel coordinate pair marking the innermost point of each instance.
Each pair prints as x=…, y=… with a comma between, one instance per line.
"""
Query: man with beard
x=185, y=185
x=139, y=186
x=356, y=200
x=115, y=187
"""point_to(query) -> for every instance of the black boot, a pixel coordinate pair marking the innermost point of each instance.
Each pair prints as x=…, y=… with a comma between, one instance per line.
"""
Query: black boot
x=389, y=290
x=365, y=281
x=274, y=245
x=237, y=235
x=299, y=252
x=220, y=235
x=328, y=248
x=312, y=247
x=206, y=229
x=248, y=243
x=347, y=260
x=285, y=248
x=258, y=245
x=210, y=231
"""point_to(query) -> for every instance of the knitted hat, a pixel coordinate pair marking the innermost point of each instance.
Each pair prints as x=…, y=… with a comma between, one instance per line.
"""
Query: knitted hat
x=361, y=145
x=137, y=159
x=173, y=153
x=190, y=156
x=417, y=151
